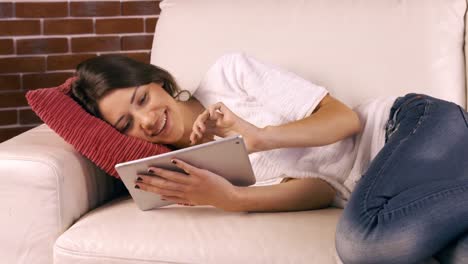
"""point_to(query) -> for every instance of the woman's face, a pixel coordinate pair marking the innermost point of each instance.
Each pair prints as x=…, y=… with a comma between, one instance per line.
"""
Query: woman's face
x=147, y=112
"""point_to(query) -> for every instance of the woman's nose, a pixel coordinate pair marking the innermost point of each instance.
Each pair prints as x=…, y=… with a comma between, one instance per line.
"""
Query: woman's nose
x=147, y=123
x=147, y=120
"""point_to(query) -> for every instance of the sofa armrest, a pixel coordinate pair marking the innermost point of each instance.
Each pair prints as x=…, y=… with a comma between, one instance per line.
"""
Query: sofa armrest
x=45, y=186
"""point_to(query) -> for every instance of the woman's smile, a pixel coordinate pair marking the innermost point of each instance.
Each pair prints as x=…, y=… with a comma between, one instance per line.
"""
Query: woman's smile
x=163, y=125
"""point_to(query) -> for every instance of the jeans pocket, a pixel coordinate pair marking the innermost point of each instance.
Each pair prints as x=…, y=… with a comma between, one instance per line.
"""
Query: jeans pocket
x=464, y=115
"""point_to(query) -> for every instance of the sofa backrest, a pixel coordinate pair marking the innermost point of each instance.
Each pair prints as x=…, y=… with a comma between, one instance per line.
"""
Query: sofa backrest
x=357, y=49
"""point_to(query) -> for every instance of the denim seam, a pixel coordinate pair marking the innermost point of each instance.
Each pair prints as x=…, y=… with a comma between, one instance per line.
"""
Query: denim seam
x=393, y=131
x=385, y=165
x=397, y=110
x=463, y=115
x=424, y=116
x=419, y=200
x=379, y=173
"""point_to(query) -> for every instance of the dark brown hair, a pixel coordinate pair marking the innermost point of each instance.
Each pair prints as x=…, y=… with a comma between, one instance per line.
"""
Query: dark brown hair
x=99, y=75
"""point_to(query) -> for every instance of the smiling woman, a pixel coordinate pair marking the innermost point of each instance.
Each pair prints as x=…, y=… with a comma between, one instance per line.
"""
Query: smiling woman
x=138, y=99
x=302, y=150
x=142, y=101
x=148, y=112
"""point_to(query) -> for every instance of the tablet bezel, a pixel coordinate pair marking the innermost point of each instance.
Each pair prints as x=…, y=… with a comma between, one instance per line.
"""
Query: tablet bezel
x=227, y=157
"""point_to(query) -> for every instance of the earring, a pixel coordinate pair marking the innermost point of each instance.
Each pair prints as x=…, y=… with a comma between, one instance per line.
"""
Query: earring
x=183, y=96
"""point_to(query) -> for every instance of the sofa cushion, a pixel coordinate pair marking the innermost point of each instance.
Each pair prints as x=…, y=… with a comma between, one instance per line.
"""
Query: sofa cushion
x=94, y=138
x=356, y=49
x=120, y=233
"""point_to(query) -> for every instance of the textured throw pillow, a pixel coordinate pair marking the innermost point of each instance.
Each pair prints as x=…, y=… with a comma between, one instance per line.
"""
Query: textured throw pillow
x=91, y=136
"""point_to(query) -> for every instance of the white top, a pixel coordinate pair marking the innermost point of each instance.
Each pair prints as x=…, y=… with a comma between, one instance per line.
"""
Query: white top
x=264, y=95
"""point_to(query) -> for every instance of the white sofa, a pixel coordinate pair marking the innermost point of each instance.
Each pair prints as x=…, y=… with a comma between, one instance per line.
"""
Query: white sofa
x=57, y=207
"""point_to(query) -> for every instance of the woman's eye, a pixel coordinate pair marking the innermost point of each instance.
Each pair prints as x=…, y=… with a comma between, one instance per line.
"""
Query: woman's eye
x=126, y=127
x=142, y=99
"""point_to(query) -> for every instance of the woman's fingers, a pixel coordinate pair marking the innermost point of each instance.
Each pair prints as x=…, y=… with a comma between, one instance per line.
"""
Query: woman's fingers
x=194, y=135
x=215, y=111
x=215, y=120
x=161, y=183
x=199, y=127
x=195, y=127
x=171, y=185
x=151, y=188
x=203, y=116
x=172, y=175
x=193, y=138
x=197, y=132
x=189, y=169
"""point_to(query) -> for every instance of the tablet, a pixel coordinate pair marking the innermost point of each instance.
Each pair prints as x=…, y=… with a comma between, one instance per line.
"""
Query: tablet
x=227, y=157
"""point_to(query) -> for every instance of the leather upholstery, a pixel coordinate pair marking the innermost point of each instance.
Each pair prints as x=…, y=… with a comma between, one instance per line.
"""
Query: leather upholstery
x=357, y=49
x=120, y=233
x=45, y=186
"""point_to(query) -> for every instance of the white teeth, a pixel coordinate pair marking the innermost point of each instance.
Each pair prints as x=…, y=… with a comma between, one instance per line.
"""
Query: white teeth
x=162, y=124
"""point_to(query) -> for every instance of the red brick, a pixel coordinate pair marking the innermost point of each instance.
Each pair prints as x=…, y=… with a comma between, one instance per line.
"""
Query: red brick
x=20, y=27
x=139, y=56
x=31, y=9
x=8, y=133
x=22, y=64
x=27, y=116
x=66, y=62
x=91, y=9
x=6, y=9
x=10, y=82
x=137, y=42
x=12, y=99
x=95, y=44
x=44, y=80
x=126, y=25
x=8, y=117
x=41, y=46
x=150, y=24
x=140, y=8
x=6, y=46
x=68, y=26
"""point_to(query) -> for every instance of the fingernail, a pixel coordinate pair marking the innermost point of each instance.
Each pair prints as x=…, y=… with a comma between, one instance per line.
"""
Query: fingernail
x=150, y=171
x=137, y=187
x=174, y=161
x=139, y=179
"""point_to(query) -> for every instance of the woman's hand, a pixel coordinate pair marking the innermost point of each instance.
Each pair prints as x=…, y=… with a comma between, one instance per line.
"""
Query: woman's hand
x=219, y=120
x=197, y=187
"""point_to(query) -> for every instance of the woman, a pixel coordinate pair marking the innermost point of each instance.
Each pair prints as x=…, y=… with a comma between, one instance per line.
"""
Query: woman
x=411, y=151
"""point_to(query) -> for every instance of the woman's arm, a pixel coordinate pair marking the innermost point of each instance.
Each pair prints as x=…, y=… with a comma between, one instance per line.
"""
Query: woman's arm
x=292, y=195
x=202, y=187
x=330, y=122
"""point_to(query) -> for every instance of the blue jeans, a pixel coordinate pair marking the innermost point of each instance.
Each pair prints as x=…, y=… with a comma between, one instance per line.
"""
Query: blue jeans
x=412, y=202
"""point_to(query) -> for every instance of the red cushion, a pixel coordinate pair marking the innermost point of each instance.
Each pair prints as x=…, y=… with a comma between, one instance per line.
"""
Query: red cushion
x=91, y=136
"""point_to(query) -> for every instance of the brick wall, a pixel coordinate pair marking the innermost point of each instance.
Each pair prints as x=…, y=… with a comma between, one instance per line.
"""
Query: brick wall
x=41, y=42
